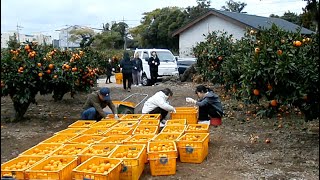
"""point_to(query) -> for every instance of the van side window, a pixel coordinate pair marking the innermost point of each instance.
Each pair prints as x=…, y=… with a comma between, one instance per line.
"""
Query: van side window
x=145, y=56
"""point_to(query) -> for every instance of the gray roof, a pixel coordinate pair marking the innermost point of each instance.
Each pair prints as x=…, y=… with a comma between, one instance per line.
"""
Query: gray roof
x=247, y=20
x=259, y=22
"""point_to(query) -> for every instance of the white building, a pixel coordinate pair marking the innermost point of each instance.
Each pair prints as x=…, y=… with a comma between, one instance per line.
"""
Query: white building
x=22, y=38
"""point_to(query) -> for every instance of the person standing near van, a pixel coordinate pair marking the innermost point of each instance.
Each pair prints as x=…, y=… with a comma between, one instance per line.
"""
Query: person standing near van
x=137, y=68
x=109, y=71
x=154, y=63
x=126, y=66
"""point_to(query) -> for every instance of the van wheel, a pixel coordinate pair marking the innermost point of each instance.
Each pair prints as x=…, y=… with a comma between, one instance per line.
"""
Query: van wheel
x=144, y=80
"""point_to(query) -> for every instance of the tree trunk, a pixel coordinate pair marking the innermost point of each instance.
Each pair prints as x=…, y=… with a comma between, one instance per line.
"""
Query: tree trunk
x=20, y=109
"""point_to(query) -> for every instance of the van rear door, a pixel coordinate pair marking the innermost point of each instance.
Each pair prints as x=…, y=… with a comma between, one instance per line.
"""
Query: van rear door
x=168, y=65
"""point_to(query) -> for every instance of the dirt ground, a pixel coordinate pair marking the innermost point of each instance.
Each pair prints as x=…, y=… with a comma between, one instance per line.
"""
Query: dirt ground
x=293, y=151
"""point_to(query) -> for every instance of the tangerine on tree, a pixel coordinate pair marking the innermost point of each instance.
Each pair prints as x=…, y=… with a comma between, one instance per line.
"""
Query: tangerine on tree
x=274, y=103
x=256, y=92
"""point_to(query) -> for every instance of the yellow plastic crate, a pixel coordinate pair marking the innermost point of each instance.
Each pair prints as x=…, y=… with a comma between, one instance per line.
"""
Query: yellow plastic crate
x=133, y=157
x=119, y=81
x=59, y=138
x=193, y=147
x=104, y=123
x=96, y=150
x=115, y=139
x=131, y=117
x=69, y=150
x=82, y=124
x=176, y=121
x=118, y=130
x=85, y=139
x=173, y=129
x=140, y=139
x=141, y=129
x=197, y=128
x=162, y=157
x=98, y=168
x=167, y=137
x=149, y=122
x=187, y=108
x=76, y=131
x=150, y=117
x=190, y=115
x=129, y=124
x=42, y=149
x=60, y=168
x=16, y=167
x=96, y=131
x=118, y=76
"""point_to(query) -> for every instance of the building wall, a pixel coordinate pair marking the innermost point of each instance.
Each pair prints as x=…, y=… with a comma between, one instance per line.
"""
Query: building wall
x=195, y=34
x=40, y=38
x=64, y=38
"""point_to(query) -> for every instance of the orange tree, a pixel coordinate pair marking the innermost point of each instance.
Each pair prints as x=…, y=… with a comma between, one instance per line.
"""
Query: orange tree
x=33, y=69
x=281, y=68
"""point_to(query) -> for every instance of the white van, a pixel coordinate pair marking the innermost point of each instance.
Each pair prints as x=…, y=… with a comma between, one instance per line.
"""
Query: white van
x=168, y=64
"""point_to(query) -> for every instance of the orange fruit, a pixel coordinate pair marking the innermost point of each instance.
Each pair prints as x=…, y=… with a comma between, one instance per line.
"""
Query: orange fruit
x=269, y=87
x=274, y=103
x=39, y=64
x=279, y=52
x=48, y=71
x=51, y=66
x=40, y=74
x=257, y=50
x=297, y=43
x=256, y=92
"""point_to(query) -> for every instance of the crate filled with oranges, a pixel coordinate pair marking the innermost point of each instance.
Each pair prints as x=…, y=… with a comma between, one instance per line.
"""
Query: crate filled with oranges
x=104, y=124
x=96, y=150
x=197, y=128
x=149, y=122
x=42, y=149
x=133, y=157
x=72, y=131
x=150, y=117
x=16, y=167
x=53, y=167
x=115, y=139
x=176, y=122
x=97, y=167
x=166, y=137
x=174, y=129
x=96, y=131
x=162, y=157
x=82, y=124
x=60, y=138
x=142, y=129
x=129, y=124
x=119, y=130
x=131, y=117
x=86, y=139
x=193, y=147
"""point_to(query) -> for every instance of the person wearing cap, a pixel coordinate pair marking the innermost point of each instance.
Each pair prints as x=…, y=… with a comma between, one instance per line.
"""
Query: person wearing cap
x=209, y=104
x=96, y=101
x=158, y=104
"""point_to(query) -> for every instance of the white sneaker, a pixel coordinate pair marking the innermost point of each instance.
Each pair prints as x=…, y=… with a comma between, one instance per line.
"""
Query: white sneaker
x=204, y=122
x=140, y=85
x=162, y=124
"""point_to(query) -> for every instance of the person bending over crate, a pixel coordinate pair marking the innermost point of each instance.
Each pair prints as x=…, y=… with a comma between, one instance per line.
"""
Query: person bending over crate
x=209, y=104
x=158, y=104
x=96, y=101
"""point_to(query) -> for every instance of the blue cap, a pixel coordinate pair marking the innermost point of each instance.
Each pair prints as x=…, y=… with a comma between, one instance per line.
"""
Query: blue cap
x=106, y=93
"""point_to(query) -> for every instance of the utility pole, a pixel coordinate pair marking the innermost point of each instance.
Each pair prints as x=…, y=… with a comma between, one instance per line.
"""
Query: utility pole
x=125, y=37
x=18, y=28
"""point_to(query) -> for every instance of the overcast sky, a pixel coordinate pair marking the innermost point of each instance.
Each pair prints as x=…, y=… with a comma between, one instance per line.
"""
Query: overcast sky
x=47, y=16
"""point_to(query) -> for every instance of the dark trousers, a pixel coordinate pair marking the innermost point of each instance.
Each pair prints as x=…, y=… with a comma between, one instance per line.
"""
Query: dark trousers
x=154, y=76
x=160, y=111
x=127, y=78
x=108, y=79
x=207, y=112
